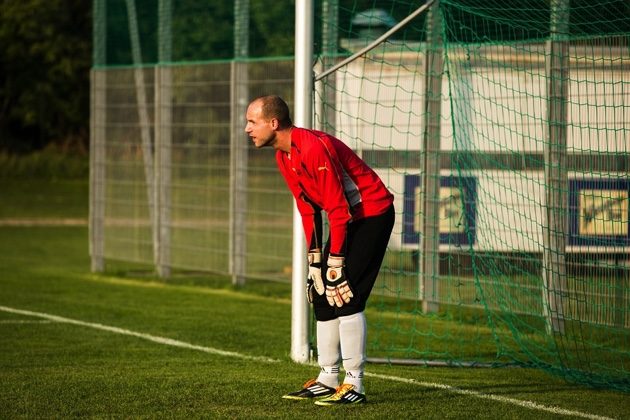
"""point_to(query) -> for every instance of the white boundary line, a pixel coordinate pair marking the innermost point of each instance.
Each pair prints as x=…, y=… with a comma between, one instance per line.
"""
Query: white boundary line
x=522, y=403
x=149, y=337
x=175, y=343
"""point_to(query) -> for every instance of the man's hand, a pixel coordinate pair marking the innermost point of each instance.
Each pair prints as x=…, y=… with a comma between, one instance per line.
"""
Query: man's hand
x=315, y=280
x=338, y=290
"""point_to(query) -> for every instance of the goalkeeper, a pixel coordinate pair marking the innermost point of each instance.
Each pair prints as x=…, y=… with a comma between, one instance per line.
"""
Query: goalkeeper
x=325, y=174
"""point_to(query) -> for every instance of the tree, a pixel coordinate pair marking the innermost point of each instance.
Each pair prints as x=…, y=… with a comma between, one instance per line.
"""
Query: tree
x=45, y=52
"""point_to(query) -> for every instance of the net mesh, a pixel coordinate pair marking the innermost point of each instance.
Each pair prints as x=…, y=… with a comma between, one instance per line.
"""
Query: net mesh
x=501, y=127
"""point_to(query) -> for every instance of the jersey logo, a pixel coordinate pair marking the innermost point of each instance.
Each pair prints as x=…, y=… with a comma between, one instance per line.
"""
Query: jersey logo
x=323, y=168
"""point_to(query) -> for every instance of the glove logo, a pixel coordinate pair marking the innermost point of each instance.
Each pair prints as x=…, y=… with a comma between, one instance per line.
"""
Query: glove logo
x=338, y=291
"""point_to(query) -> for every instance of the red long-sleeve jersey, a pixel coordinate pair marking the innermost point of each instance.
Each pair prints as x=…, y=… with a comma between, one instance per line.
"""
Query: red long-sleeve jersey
x=325, y=174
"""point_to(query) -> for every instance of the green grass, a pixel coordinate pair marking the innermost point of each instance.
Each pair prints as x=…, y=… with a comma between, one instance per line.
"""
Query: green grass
x=44, y=164
x=56, y=369
x=64, y=370
x=28, y=198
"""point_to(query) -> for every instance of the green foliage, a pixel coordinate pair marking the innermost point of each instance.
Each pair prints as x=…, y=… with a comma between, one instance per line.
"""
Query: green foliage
x=272, y=28
x=44, y=78
x=203, y=30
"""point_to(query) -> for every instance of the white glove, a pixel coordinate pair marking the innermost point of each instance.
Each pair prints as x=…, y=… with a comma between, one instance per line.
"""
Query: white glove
x=338, y=290
x=315, y=280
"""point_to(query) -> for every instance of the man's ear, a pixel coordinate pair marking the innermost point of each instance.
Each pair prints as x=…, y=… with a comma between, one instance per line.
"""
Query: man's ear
x=275, y=124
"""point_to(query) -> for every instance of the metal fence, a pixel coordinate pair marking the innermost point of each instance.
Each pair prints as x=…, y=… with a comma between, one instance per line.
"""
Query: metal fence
x=176, y=182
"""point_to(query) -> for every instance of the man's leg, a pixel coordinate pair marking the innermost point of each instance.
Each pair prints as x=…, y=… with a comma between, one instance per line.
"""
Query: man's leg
x=328, y=355
x=353, y=332
x=367, y=243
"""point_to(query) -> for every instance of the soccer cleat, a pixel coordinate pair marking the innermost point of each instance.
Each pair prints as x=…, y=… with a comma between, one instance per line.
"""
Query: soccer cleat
x=311, y=389
x=345, y=395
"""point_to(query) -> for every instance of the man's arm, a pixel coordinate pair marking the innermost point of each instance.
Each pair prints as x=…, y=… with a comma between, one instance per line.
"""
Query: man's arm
x=329, y=178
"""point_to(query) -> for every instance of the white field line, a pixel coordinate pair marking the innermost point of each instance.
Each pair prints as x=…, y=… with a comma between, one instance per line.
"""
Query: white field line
x=522, y=403
x=149, y=337
x=175, y=343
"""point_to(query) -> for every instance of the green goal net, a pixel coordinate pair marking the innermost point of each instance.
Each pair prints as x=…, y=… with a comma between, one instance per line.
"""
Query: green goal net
x=502, y=128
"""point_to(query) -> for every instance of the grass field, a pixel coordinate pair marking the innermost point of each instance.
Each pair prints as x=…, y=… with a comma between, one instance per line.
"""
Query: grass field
x=126, y=344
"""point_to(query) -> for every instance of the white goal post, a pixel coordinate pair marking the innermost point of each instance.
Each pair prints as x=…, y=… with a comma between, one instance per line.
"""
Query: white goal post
x=303, y=117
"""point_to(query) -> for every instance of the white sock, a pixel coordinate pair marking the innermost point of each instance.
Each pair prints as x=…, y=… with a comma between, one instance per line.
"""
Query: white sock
x=353, y=335
x=328, y=356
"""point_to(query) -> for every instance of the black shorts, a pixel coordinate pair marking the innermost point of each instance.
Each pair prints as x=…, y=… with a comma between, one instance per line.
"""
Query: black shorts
x=366, y=243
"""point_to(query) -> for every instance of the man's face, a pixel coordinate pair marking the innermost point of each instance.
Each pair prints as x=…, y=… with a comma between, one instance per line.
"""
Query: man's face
x=259, y=129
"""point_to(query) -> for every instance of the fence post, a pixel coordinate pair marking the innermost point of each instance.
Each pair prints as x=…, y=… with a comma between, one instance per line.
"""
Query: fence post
x=430, y=170
x=144, y=122
x=163, y=138
x=97, y=170
x=556, y=178
x=239, y=92
x=98, y=109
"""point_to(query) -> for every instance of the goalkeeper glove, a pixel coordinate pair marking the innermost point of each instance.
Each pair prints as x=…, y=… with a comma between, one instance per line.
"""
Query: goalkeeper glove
x=314, y=279
x=338, y=290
